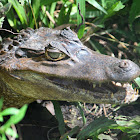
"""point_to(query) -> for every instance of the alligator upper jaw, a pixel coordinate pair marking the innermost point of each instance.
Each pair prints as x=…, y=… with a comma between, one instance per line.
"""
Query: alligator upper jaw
x=109, y=92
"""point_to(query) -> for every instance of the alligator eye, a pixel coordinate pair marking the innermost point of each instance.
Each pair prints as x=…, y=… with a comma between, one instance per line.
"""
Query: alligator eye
x=54, y=54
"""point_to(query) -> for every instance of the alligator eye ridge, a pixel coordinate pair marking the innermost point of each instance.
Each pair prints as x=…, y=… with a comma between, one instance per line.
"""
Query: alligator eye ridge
x=82, y=53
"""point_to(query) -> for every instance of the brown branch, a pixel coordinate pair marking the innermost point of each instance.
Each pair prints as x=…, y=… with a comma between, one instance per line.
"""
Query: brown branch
x=10, y=31
x=49, y=16
x=33, y=16
x=83, y=21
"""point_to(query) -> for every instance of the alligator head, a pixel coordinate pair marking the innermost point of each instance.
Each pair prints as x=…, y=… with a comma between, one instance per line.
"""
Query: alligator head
x=54, y=65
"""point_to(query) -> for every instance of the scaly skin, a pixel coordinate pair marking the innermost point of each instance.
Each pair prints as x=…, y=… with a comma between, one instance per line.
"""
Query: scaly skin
x=28, y=73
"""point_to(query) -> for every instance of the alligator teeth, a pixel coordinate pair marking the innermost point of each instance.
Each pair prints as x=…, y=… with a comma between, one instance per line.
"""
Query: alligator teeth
x=94, y=85
x=132, y=97
x=113, y=82
x=137, y=91
x=118, y=84
x=125, y=100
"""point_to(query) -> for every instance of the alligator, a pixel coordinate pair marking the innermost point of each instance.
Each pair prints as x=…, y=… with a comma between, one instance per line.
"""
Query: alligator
x=50, y=64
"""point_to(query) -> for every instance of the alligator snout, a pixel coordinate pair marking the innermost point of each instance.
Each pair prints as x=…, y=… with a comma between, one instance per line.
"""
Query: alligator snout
x=124, y=71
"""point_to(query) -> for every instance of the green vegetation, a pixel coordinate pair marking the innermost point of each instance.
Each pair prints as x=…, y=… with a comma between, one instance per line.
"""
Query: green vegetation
x=15, y=115
x=109, y=27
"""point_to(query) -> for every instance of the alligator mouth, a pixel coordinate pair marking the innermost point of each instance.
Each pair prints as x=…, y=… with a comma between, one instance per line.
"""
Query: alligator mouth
x=111, y=92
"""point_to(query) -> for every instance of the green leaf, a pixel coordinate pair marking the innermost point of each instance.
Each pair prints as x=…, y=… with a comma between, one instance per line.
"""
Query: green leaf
x=137, y=80
x=95, y=128
x=10, y=111
x=1, y=5
x=20, y=11
x=14, y=119
x=108, y=3
x=81, y=4
x=43, y=16
x=47, y=2
x=119, y=6
x=3, y=137
x=64, y=15
x=130, y=127
x=137, y=119
x=5, y=9
x=59, y=117
x=11, y=132
x=134, y=11
x=1, y=118
x=35, y=7
x=81, y=31
x=93, y=14
x=70, y=133
x=1, y=23
x=122, y=123
x=96, y=5
x=81, y=112
x=97, y=46
x=19, y=116
x=104, y=137
x=113, y=9
x=12, y=19
x=52, y=9
x=1, y=103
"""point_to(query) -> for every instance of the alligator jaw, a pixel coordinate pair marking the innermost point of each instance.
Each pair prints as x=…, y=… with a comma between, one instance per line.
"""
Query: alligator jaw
x=110, y=92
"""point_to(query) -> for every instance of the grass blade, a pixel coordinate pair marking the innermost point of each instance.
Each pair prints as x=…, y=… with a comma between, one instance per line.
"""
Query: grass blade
x=59, y=117
x=96, y=5
x=81, y=5
x=95, y=128
x=20, y=11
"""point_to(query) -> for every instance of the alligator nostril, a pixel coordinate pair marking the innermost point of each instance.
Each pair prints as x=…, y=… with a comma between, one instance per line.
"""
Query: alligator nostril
x=124, y=64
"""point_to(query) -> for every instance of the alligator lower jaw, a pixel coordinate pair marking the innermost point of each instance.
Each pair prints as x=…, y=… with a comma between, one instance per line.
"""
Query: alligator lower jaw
x=111, y=92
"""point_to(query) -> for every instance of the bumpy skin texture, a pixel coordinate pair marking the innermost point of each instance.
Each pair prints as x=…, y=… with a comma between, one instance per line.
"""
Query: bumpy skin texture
x=26, y=74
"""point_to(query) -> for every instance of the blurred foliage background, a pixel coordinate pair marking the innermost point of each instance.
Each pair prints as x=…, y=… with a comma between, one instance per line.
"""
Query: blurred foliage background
x=109, y=27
